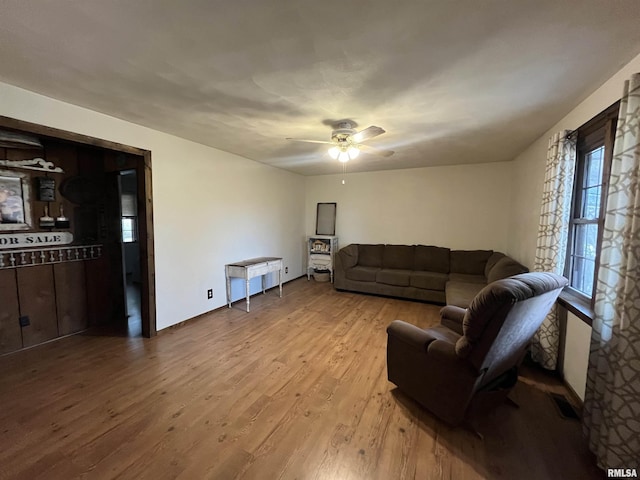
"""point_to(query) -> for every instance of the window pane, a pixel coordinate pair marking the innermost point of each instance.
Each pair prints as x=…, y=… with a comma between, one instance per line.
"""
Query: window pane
x=129, y=206
x=591, y=202
x=128, y=230
x=593, y=170
x=583, y=257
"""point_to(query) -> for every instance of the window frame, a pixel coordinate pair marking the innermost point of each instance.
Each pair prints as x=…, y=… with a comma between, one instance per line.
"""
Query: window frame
x=133, y=218
x=599, y=131
x=134, y=230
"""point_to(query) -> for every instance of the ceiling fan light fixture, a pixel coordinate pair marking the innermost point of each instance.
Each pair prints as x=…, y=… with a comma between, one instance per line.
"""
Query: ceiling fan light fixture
x=343, y=153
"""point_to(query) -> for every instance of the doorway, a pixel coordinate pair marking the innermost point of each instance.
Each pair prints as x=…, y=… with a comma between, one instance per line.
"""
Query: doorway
x=128, y=159
x=130, y=249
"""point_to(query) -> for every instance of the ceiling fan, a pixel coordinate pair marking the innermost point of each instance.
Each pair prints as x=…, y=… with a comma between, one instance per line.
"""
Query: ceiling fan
x=346, y=142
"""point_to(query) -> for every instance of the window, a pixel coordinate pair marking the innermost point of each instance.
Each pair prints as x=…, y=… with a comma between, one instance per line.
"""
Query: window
x=593, y=164
x=129, y=218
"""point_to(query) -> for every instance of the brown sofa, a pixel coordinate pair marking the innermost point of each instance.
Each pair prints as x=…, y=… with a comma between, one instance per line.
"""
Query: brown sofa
x=421, y=272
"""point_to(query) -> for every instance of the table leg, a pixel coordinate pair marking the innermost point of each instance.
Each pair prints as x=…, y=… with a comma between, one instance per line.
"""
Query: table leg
x=247, y=293
x=228, y=290
x=263, y=282
x=280, y=281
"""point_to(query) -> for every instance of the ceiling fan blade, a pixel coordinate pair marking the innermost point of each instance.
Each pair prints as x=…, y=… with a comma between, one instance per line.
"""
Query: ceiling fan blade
x=376, y=151
x=308, y=141
x=367, y=133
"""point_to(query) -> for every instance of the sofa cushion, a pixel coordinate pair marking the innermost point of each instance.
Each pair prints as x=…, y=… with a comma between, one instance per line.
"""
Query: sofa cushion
x=493, y=259
x=461, y=294
x=431, y=259
x=361, y=274
x=370, y=255
x=428, y=280
x=394, y=276
x=505, y=267
x=398, y=256
x=469, y=261
x=466, y=278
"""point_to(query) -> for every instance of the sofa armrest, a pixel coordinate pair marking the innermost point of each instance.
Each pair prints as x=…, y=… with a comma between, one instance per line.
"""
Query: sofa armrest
x=504, y=268
x=348, y=256
x=410, y=334
x=452, y=317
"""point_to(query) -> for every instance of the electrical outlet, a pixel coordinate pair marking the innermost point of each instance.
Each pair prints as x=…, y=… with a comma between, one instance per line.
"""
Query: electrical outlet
x=210, y=294
x=286, y=269
x=24, y=321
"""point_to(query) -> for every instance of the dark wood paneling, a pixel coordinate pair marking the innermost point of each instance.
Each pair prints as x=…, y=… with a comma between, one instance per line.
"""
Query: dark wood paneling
x=37, y=300
x=113, y=251
x=97, y=286
x=10, y=334
x=71, y=297
x=64, y=156
x=90, y=155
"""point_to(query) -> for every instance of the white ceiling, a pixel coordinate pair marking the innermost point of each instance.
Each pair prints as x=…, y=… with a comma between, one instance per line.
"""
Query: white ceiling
x=451, y=81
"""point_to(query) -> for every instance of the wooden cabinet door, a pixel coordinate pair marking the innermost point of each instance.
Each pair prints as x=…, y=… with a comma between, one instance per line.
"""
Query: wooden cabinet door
x=37, y=301
x=71, y=297
x=10, y=332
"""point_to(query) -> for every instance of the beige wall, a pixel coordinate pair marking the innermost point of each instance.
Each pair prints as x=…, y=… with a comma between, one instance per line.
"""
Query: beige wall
x=528, y=176
x=462, y=207
x=210, y=207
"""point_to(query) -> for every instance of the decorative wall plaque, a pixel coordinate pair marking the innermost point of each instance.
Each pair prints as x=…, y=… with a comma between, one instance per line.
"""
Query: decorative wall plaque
x=35, y=239
x=46, y=189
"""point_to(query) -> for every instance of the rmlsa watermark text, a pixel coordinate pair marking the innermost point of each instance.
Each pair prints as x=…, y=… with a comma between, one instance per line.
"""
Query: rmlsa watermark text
x=622, y=472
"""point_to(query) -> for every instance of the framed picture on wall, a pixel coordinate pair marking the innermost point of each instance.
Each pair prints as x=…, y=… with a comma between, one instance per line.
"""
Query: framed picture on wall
x=15, y=206
x=326, y=219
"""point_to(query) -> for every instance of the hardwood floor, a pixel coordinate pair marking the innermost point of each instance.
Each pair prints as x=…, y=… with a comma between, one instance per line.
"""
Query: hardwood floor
x=296, y=389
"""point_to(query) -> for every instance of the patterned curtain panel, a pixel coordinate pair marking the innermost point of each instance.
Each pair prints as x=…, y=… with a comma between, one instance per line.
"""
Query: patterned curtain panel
x=553, y=232
x=612, y=398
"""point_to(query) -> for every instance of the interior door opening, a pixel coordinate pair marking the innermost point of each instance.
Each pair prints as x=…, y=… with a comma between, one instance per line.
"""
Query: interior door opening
x=130, y=236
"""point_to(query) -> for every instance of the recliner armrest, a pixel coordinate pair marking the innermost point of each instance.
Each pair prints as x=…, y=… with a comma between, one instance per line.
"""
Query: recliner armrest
x=452, y=317
x=410, y=334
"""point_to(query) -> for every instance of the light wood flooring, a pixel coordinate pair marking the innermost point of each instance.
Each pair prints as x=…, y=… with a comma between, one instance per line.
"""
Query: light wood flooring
x=296, y=389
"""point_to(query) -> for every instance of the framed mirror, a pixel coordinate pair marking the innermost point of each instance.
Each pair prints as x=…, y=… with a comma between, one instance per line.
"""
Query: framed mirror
x=326, y=219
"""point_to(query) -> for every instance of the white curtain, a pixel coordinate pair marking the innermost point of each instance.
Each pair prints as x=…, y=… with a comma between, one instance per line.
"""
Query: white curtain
x=553, y=231
x=612, y=398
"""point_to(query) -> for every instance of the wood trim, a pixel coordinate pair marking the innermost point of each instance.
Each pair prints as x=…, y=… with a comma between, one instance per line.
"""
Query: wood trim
x=143, y=164
x=577, y=305
x=147, y=249
x=57, y=134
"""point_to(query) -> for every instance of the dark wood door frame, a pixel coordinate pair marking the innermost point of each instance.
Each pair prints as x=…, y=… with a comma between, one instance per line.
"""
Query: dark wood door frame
x=145, y=208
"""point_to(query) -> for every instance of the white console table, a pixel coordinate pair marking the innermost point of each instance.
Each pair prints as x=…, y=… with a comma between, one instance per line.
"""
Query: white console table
x=248, y=269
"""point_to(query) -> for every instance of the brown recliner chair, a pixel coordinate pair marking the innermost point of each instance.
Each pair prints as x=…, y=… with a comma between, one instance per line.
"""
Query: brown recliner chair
x=471, y=359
